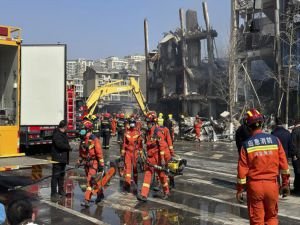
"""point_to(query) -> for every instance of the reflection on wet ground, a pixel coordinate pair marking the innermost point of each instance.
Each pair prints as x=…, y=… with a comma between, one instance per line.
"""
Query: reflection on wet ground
x=118, y=207
x=205, y=194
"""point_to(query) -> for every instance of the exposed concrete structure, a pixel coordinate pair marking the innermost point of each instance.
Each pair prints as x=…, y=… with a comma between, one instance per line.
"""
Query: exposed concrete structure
x=262, y=29
x=180, y=79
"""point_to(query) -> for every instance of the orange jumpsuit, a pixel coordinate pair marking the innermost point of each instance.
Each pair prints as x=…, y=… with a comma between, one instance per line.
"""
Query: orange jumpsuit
x=261, y=158
x=132, y=146
x=129, y=217
x=197, y=127
x=138, y=124
x=156, y=145
x=113, y=126
x=93, y=157
x=169, y=149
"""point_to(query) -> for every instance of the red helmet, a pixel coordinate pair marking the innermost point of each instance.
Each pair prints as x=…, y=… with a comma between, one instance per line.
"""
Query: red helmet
x=253, y=116
x=151, y=117
x=106, y=115
x=117, y=115
x=88, y=124
x=122, y=115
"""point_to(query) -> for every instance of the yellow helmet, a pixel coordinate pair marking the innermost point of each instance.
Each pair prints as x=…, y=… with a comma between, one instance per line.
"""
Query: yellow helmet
x=170, y=116
x=160, y=115
x=160, y=121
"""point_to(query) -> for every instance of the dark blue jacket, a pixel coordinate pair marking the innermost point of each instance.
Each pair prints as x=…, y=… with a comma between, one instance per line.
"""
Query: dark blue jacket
x=285, y=138
x=241, y=134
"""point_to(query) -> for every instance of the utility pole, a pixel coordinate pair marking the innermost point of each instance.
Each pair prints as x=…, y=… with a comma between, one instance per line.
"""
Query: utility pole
x=232, y=62
x=183, y=53
x=291, y=40
x=146, y=58
x=210, y=52
x=278, y=55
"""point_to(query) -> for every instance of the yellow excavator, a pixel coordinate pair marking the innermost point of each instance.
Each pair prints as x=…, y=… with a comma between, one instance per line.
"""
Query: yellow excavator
x=115, y=87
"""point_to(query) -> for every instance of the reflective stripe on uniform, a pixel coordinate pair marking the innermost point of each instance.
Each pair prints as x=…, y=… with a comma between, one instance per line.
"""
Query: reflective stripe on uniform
x=89, y=188
x=262, y=148
x=241, y=181
x=162, y=153
x=249, y=113
x=165, y=184
x=146, y=185
x=91, y=146
x=146, y=217
x=285, y=171
x=101, y=160
x=128, y=175
x=171, y=147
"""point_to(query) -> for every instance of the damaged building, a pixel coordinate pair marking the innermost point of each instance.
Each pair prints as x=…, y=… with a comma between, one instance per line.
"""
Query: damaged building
x=266, y=35
x=181, y=80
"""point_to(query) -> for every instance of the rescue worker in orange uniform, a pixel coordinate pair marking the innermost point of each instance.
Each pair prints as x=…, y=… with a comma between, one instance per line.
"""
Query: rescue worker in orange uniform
x=197, y=127
x=156, y=145
x=169, y=149
x=138, y=123
x=91, y=156
x=261, y=158
x=114, y=125
x=131, y=150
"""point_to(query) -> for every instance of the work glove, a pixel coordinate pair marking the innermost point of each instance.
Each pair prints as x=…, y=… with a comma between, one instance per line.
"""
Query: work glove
x=239, y=197
x=84, y=145
x=285, y=191
x=100, y=169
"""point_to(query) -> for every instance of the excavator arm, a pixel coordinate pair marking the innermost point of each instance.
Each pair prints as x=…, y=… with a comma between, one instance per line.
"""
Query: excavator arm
x=116, y=87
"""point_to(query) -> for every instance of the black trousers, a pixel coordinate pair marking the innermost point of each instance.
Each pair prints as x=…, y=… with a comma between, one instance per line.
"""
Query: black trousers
x=121, y=136
x=106, y=138
x=296, y=166
x=58, y=177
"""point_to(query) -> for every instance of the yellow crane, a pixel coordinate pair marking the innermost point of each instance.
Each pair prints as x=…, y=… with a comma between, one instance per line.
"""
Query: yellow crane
x=116, y=87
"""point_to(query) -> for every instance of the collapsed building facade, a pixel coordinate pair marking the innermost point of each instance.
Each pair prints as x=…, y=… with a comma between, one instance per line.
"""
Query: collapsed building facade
x=266, y=59
x=181, y=80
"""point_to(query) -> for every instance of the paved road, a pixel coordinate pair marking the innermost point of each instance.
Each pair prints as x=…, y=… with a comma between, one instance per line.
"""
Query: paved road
x=205, y=194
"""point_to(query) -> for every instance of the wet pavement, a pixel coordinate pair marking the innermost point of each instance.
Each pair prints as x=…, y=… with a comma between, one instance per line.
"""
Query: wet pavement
x=205, y=194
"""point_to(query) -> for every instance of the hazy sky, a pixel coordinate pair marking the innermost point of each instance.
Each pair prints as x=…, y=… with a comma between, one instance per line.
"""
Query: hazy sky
x=95, y=29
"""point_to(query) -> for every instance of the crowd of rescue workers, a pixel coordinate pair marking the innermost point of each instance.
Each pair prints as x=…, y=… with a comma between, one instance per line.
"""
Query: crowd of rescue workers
x=261, y=157
x=158, y=162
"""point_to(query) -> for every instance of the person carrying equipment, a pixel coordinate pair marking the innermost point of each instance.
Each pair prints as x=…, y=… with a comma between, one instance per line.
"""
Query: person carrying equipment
x=91, y=156
x=155, y=141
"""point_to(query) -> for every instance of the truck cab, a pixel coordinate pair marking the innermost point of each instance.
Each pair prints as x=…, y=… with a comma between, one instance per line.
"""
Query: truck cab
x=10, y=46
